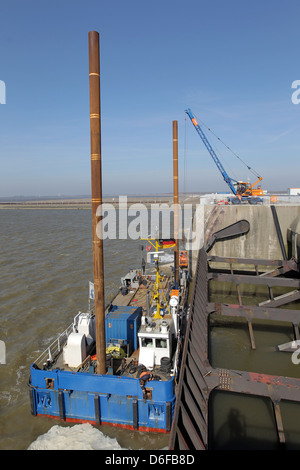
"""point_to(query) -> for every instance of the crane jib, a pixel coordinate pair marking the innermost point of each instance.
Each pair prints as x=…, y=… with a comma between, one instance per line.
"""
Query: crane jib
x=226, y=177
x=237, y=187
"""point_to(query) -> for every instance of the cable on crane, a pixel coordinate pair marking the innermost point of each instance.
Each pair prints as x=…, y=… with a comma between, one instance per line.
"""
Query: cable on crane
x=237, y=156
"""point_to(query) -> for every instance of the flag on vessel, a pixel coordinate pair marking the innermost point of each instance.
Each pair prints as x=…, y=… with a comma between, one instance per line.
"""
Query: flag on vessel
x=169, y=243
x=91, y=290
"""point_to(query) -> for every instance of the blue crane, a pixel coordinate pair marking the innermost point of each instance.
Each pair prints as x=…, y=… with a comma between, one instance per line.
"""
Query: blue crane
x=238, y=188
x=226, y=177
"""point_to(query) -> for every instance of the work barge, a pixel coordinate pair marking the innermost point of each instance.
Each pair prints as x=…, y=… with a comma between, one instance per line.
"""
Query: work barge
x=203, y=386
x=118, y=364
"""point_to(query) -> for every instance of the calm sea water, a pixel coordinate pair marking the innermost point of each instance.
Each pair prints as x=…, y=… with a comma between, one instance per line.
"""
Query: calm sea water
x=45, y=266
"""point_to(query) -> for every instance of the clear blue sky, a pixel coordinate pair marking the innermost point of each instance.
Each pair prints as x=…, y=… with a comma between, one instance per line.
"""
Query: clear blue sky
x=232, y=62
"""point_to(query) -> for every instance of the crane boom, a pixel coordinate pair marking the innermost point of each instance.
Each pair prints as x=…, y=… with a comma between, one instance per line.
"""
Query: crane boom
x=226, y=177
x=238, y=188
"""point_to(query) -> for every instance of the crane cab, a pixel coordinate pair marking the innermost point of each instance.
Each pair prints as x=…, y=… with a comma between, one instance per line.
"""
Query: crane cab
x=246, y=189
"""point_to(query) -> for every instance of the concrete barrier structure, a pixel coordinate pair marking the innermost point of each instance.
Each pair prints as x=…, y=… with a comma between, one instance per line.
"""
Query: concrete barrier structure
x=262, y=240
x=231, y=277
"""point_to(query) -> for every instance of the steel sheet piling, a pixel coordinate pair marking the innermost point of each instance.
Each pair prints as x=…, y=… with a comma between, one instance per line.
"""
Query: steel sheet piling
x=96, y=187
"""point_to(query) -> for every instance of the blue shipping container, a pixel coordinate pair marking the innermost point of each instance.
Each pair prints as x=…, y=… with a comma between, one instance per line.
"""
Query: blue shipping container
x=122, y=323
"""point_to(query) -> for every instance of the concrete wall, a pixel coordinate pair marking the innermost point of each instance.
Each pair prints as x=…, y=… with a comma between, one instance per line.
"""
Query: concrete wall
x=260, y=242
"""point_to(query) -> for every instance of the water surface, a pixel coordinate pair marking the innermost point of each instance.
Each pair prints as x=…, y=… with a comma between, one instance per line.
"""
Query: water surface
x=45, y=268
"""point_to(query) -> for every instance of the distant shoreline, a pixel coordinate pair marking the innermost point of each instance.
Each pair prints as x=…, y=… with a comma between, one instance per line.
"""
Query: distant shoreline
x=78, y=204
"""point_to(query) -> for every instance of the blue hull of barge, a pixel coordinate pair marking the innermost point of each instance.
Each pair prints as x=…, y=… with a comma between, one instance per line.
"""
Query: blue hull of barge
x=102, y=399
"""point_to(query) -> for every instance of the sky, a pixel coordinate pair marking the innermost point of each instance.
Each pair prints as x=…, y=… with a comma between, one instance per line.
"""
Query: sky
x=232, y=62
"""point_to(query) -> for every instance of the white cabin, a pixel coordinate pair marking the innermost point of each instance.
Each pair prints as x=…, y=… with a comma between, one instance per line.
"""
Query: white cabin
x=155, y=342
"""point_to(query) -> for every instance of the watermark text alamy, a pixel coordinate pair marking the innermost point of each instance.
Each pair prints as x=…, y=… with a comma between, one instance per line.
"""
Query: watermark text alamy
x=138, y=221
